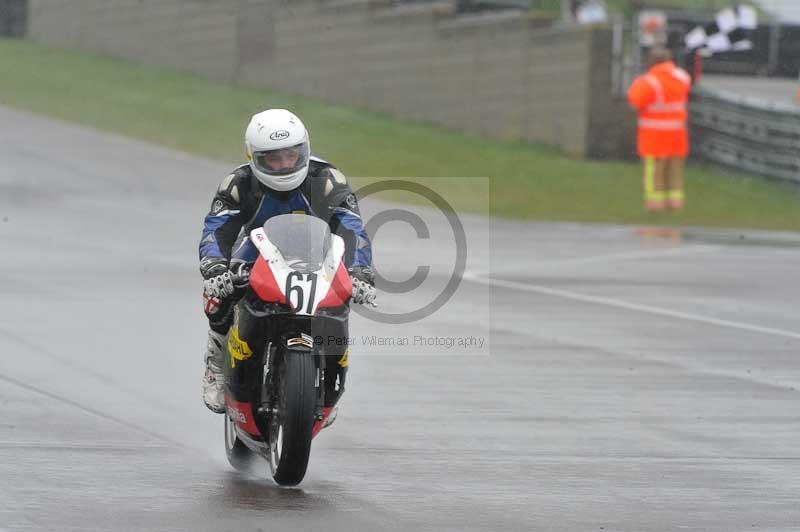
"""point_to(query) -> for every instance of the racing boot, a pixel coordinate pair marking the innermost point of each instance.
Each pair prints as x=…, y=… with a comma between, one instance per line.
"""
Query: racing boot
x=214, y=377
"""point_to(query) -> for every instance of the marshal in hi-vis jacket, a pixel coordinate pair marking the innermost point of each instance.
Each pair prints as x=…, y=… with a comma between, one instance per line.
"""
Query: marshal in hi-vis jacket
x=660, y=97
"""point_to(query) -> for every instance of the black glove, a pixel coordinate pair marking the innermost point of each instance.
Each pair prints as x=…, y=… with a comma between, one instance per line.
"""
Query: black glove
x=218, y=280
x=363, y=280
x=363, y=273
x=213, y=266
x=241, y=273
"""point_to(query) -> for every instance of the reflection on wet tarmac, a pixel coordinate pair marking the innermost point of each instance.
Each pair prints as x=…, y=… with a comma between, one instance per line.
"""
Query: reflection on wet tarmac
x=245, y=492
x=672, y=235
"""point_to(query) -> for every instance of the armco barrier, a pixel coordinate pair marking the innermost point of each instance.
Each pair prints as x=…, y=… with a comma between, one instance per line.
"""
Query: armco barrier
x=746, y=133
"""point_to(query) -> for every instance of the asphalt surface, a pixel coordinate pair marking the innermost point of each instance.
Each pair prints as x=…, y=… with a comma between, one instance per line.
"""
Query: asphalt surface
x=630, y=378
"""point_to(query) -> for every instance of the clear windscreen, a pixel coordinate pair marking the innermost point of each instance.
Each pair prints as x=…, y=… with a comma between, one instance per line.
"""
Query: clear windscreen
x=303, y=240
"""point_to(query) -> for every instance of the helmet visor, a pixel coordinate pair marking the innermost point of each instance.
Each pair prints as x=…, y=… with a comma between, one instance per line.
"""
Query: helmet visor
x=283, y=161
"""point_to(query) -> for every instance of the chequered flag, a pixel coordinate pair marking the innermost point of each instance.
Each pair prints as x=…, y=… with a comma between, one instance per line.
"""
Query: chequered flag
x=730, y=31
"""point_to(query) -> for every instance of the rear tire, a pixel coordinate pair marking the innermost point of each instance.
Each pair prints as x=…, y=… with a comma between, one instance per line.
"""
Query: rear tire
x=290, y=430
x=239, y=456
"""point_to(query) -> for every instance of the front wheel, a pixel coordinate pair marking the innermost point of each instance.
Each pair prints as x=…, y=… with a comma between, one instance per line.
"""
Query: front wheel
x=293, y=417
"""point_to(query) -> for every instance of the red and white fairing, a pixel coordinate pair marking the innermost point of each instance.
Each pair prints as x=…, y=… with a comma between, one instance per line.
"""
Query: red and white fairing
x=272, y=277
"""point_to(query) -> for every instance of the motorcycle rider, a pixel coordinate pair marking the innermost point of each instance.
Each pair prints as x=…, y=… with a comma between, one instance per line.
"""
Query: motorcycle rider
x=280, y=177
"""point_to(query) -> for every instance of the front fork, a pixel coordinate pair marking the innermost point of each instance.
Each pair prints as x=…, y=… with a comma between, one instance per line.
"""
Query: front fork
x=298, y=349
x=318, y=412
x=327, y=393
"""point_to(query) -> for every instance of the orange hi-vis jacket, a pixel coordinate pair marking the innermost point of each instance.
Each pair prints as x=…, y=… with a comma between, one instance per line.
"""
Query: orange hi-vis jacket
x=660, y=98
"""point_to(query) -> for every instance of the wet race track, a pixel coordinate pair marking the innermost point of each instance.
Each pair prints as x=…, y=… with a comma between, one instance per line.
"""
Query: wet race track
x=630, y=380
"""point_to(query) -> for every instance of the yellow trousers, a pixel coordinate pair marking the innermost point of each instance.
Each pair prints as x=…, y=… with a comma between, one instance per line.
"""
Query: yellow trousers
x=663, y=183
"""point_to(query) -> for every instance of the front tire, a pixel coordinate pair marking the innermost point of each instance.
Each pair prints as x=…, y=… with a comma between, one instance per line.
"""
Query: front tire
x=290, y=429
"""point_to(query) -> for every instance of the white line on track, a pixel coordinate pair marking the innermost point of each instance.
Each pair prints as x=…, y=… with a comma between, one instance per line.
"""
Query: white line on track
x=628, y=255
x=670, y=251
x=658, y=311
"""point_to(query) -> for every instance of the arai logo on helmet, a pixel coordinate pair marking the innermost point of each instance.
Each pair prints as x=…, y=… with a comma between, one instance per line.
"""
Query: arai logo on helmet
x=279, y=135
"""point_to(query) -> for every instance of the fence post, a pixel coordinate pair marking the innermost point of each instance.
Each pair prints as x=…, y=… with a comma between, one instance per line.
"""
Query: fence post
x=774, y=49
x=697, y=67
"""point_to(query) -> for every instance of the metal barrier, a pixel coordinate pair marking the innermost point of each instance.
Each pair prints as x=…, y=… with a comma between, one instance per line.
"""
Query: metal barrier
x=746, y=133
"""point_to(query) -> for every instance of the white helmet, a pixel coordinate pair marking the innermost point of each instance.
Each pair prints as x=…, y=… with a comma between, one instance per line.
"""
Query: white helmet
x=278, y=149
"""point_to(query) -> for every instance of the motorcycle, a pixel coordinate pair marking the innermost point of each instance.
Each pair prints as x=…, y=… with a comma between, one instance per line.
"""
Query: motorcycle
x=286, y=357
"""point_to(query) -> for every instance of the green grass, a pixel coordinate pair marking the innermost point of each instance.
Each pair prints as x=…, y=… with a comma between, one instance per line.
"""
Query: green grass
x=189, y=113
x=630, y=7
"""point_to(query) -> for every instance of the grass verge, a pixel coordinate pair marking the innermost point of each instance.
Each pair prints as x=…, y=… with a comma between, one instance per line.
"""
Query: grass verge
x=190, y=113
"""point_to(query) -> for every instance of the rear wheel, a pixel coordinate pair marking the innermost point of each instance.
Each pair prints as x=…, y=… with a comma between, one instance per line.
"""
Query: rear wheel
x=239, y=456
x=293, y=417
